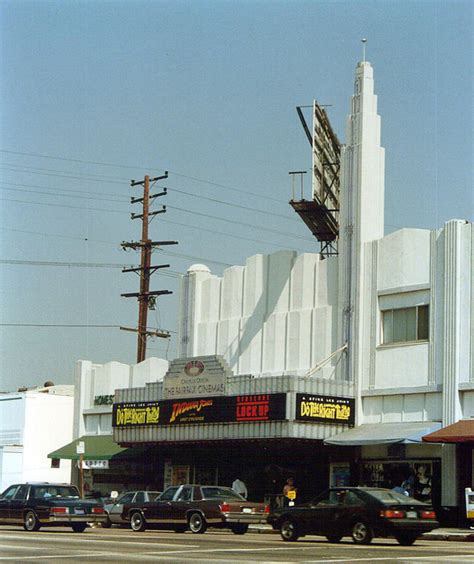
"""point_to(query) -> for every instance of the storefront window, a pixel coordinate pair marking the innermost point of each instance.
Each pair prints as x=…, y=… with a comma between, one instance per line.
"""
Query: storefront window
x=412, y=478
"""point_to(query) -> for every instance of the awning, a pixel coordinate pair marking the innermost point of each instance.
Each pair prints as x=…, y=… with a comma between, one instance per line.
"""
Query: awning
x=460, y=432
x=96, y=447
x=384, y=433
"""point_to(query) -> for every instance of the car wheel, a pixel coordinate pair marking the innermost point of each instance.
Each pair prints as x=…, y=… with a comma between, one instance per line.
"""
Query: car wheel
x=334, y=538
x=137, y=522
x=31, y=522
x=107, y=523
x=197, y=523
x=289, y=530
x=239, y=528
x=406, y=539
x=79, y=527
x=362, y=533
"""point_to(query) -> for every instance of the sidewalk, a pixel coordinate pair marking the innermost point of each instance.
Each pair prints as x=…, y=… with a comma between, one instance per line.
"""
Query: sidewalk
x=447, y=534
x=450, y=534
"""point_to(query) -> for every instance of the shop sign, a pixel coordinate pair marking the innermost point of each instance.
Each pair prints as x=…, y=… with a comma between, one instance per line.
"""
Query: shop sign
x=95, y=464
x=194, y=381
x=325, y=409
x=227, y=409
x=104, y=400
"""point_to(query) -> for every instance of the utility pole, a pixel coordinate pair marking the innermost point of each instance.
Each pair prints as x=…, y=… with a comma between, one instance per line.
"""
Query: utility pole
x=146, y=298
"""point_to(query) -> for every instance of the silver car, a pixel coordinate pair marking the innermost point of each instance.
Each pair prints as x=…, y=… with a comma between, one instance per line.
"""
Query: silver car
x=114, y=508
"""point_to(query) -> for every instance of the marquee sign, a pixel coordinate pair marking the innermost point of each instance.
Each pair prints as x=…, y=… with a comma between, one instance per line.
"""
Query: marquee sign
x=196, y=379
x=325, y=409
x=217, y=409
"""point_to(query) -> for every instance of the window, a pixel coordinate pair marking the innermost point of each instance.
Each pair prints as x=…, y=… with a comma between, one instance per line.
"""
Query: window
x=405, y=324
x=168, y=494
x=185, y=494
x=21, y=493
x=10, y=492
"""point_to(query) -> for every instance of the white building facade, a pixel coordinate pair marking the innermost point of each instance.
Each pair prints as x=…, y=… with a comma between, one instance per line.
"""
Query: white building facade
x=32, y=423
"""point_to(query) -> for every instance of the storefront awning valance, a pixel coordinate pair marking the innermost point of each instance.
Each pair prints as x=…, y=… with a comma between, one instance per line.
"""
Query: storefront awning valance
x=96, y=447
x=384, y=433
x=460, y=432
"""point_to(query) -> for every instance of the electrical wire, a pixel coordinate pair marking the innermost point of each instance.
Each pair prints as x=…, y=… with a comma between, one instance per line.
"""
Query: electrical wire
x=113, y=165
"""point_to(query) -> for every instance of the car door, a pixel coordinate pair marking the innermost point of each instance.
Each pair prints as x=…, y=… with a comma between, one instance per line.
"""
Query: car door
x=323, y=513
x=18, y=504
x=5, y=501
x=160, y=510
x=115, y=512
x=353, y=507
x=181, y=505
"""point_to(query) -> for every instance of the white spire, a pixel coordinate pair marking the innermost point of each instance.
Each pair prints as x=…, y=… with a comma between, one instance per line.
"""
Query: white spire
x=364, y=41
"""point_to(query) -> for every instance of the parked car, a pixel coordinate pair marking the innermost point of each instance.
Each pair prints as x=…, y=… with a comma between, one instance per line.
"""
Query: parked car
x=35, y=505
x=196, y=507
x=114, y=507
x=362, y=513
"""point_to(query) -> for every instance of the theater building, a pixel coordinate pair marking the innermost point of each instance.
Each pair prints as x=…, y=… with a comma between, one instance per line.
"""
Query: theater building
x=384, y=327
x=330, y=368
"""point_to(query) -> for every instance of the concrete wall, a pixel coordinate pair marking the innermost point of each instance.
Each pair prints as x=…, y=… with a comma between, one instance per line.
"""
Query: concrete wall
x=274, y=315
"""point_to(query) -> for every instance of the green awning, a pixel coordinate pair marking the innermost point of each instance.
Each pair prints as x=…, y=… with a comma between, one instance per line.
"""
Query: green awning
x=96, y=447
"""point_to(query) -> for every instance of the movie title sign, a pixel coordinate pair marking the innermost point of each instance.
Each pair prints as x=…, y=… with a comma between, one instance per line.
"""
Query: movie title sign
x=325, y=409
x=227, y=409
x=195, y=380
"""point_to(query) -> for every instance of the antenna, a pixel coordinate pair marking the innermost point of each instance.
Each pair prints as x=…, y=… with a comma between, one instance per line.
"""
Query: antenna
x=364, y=41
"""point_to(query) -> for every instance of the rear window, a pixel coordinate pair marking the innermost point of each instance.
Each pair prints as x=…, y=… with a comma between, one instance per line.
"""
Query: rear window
x=393, y=498
x=220, y=493
x=45, y=492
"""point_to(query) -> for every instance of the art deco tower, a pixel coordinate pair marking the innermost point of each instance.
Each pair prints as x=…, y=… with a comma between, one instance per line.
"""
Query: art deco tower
x=361, y=217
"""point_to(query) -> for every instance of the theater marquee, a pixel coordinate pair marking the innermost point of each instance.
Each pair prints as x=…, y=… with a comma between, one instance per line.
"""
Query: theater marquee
x=218, y=409
x=325, y=409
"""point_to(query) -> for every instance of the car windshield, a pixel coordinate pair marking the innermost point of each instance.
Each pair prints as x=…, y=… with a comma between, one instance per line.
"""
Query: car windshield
x=220, y=493
x=45, y=492
x=390, y=497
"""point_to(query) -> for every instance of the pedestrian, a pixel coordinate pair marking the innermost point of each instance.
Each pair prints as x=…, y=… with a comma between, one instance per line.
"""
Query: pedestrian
x=289, y=492
x=239, y=487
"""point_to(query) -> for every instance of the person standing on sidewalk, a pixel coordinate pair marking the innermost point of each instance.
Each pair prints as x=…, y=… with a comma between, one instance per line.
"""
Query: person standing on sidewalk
x=239, y=487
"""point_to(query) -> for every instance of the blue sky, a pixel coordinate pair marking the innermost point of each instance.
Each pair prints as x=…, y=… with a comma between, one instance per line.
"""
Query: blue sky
x=94, y=94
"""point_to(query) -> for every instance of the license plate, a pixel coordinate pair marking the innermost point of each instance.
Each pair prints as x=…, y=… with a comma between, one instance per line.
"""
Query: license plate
x=412, y=514
x=78, y=511
x=246, y=510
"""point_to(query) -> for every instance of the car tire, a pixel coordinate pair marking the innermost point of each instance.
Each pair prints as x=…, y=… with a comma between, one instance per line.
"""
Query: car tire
x=406, y=539
x=79, y=527
x=107, y=523
x=334, y=538
x=362, y=533
x=289, y=530
x=31, y=521
x=239, y=528
x=197, y=523
x=137, y=522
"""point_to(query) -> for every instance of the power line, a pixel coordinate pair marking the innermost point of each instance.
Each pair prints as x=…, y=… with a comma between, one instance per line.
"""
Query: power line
x=278, y=232
x=170, y=273
x=68, y=325
x=113, y=165
x=170, y=188
x=88, y=240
